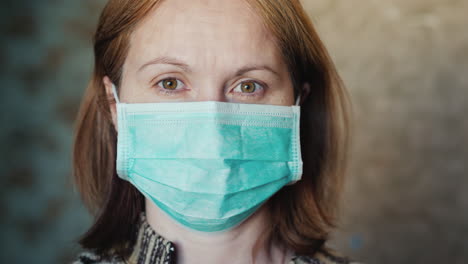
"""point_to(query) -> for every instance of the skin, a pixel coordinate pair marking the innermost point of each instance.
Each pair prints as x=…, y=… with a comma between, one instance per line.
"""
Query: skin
x=209, y=49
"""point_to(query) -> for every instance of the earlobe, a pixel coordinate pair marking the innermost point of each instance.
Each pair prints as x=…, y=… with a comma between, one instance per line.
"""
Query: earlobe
x=109, y=94
x=305, y=92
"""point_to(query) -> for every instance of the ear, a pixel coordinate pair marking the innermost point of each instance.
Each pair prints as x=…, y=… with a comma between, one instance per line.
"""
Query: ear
x=109, y=94
x=305, y=92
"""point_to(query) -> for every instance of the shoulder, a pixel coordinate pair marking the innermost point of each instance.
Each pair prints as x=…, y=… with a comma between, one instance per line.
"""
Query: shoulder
x=89, y=257
x=323, y=256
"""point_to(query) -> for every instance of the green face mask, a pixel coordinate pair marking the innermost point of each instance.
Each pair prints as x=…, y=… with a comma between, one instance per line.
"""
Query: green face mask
x=208, y=165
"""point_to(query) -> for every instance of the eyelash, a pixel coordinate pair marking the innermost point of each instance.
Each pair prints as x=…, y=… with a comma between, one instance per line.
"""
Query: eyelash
x=258, y=84
x=166, y=91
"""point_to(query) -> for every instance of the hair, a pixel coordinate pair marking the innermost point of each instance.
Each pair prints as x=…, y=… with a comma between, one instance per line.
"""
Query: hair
x=302, y=215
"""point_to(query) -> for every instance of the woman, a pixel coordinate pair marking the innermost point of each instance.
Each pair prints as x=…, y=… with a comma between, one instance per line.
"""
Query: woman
x=211, y=132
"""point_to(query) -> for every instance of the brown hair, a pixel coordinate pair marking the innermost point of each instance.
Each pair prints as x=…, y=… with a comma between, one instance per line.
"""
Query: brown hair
x=302, y=215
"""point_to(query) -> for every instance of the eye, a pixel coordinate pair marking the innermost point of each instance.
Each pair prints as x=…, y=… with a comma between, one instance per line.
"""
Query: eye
x=248, y=87
x=171, y=84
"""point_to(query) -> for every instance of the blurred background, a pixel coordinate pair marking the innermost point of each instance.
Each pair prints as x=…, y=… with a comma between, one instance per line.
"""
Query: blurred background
x=405, y=64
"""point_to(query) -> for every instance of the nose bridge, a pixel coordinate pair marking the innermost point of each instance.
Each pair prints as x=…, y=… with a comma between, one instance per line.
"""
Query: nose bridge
x=211, y=90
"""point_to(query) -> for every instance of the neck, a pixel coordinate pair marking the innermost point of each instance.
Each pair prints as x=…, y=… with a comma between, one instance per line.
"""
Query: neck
x=242, y=244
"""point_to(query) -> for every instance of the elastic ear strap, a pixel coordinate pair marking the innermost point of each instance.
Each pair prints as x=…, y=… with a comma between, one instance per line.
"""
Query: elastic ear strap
x=298, y=100
x=114, y=91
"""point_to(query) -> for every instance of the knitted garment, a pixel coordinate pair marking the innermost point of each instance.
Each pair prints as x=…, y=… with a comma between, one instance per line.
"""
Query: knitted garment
x=152, y=248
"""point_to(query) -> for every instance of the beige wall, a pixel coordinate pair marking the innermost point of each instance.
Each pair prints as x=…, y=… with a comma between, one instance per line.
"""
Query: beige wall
x=405, y=64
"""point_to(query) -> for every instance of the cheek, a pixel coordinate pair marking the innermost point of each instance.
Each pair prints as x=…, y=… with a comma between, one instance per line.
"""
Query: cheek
x=282, y=96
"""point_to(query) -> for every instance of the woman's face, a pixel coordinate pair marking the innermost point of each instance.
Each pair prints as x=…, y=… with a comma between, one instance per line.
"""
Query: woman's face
x=204, y=50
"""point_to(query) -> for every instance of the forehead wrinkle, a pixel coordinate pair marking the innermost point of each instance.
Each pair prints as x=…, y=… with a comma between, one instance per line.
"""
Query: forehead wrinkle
x=240, y=45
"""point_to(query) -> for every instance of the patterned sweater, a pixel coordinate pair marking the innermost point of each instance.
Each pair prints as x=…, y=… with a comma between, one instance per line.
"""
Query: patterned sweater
x=152, y=248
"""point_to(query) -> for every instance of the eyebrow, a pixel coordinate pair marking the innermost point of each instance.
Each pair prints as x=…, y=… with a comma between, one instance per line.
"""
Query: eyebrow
x=185, y=67
x=167, y=60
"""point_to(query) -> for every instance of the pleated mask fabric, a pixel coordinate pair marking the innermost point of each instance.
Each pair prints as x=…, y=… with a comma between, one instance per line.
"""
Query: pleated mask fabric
x=208, y=165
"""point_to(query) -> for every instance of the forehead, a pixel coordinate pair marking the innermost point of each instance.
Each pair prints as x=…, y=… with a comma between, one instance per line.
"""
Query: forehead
x=203, y=31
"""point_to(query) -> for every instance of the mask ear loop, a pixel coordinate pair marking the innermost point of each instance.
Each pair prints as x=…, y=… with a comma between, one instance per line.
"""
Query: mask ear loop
x=114, y=91
x=298, y=100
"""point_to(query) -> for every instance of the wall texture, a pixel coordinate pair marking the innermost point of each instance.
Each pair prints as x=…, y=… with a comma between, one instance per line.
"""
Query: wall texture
x=406, y=67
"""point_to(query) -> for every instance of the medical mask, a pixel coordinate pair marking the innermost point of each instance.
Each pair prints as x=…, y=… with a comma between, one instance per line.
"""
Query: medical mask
x=209, y=165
